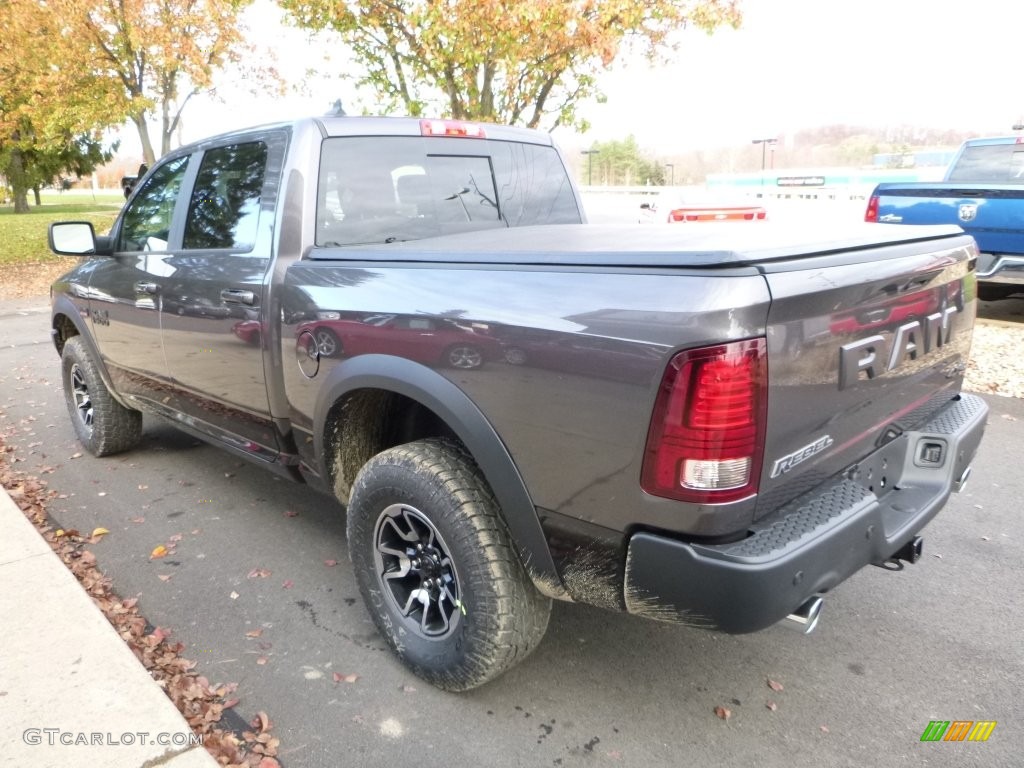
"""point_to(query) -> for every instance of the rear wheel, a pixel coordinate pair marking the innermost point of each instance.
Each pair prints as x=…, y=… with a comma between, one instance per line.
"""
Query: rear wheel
x=464, y=356
x=102, y=424
x=515, y=356
x=996, y=292
x=437, y=568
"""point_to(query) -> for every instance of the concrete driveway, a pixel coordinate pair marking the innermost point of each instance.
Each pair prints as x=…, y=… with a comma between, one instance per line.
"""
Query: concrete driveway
x=942, y=640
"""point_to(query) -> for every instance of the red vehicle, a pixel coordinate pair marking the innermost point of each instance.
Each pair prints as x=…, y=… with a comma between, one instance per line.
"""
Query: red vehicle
x=911, y=306
x=248, y=331
x=677, y=207
x=430, y=340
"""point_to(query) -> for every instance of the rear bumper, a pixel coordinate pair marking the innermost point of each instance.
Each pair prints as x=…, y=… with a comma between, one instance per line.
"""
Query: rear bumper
x=815, y=542
x=1001, y=269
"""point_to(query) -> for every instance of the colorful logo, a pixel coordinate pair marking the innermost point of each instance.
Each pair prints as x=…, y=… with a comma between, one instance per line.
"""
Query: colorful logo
x=958, y=730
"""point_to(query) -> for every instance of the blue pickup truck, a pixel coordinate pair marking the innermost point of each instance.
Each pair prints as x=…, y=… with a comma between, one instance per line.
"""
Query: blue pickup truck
x=983, y=193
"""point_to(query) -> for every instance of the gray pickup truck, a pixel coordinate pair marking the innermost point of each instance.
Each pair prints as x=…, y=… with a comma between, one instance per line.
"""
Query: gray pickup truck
x=713, y=427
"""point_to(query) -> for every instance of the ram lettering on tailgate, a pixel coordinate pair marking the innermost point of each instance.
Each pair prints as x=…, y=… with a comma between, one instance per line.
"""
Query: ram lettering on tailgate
x=873, y=355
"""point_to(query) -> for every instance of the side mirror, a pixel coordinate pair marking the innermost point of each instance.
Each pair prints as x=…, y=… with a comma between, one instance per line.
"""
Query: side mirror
x=645, y=206
x=73, y=238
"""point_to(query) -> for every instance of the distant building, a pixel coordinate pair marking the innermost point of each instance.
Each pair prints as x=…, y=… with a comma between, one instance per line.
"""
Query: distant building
x=817, y=183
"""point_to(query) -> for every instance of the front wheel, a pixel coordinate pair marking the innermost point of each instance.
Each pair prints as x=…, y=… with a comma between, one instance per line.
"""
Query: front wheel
x=102, y=424
x=437, y=568
x=327, y=342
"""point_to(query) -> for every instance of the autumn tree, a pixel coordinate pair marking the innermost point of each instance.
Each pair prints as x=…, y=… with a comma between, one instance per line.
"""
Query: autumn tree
x=158, y=53
x=624, y=163
x=527, y=62
x=51, y=108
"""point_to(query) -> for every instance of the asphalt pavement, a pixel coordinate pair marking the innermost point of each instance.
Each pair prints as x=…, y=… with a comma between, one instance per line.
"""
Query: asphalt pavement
x=261, y=593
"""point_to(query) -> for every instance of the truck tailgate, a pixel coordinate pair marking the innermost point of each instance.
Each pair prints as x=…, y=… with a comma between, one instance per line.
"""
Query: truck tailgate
x=993, y=213
x=862, y=346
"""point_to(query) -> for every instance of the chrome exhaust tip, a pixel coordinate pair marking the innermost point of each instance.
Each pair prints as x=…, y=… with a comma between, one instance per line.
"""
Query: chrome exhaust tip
x=805, y=618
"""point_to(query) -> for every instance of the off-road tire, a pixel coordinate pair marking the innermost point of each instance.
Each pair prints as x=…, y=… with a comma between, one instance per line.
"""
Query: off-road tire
x=103, y=426
x=504, y=616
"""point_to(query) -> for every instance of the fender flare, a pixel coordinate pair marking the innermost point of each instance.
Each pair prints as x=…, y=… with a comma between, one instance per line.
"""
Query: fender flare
x=432, y=390
x=63, y=305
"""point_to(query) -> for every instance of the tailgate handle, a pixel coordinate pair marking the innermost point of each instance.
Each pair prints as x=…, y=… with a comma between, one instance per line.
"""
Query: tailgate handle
x=236, y=296
x=146, y=287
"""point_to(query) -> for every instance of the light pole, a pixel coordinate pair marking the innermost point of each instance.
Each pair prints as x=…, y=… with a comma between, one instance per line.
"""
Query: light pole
x=590, y=163
x=672, y=172
x=765, y=143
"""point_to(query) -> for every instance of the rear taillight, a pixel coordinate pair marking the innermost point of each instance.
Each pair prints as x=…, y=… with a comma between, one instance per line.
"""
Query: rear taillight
x=677, y=215
x=707, y=430
x=762, y=215
x=871, y=214
x=451, y=128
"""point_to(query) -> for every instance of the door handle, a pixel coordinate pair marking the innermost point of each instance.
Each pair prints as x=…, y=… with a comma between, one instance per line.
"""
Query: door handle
x=146, y=287
x=236, y=296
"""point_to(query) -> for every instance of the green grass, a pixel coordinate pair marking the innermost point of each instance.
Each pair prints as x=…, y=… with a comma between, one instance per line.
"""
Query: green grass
x=23, y=236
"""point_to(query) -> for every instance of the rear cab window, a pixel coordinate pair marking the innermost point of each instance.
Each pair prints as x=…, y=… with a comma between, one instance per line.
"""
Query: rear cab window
x=993, y=163
x=385, y=189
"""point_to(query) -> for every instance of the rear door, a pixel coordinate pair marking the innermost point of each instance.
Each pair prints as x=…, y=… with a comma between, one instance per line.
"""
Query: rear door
x=862, y=346
x=215, y=295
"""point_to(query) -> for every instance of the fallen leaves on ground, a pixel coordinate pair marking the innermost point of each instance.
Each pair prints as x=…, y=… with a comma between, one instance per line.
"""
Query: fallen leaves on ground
x=254, y=633
x=723, y=712
x=291, y=513
x=340, y=678
x=330, y=563
x=158, y=551
x=772, y=706
x=775, y=686
x=258, y=573
x=200, y=702
x=288, y=584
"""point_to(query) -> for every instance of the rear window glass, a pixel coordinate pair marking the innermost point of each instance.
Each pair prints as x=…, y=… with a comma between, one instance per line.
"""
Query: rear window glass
x=996, y=163
x=387, y=189
x=225, y=205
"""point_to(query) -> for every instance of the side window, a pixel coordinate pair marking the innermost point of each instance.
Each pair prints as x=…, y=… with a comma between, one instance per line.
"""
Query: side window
x=146, y=225
x=225, y=205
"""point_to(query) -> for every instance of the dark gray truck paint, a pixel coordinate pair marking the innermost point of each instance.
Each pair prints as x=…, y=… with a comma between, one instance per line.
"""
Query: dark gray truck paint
x=560, y=337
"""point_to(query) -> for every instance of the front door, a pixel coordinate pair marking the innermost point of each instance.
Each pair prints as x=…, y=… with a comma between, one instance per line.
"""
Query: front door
x=124, y=290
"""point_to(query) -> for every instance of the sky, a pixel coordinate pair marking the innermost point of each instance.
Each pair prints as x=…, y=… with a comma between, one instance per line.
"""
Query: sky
x=793, y=64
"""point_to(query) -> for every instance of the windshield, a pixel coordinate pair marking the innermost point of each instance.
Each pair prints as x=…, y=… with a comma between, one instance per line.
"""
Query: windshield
x=996, y=163
x=385, y=189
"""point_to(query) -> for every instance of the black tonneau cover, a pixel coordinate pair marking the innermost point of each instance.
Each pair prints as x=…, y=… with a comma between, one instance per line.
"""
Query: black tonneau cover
x=702, y=245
